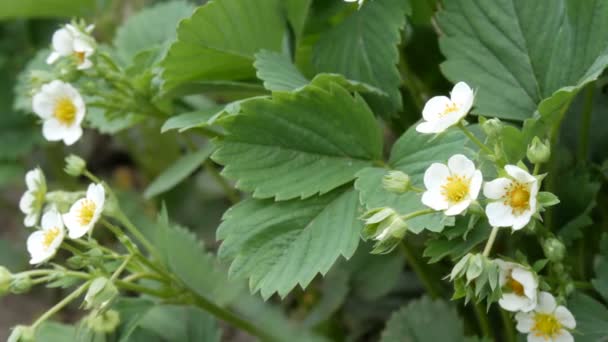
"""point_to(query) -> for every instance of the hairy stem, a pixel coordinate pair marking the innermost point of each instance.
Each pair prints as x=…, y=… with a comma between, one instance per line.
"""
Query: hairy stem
x=490, y=242
x=482, y=319
x=507, y=322
x=474, y=139
x=67, y=300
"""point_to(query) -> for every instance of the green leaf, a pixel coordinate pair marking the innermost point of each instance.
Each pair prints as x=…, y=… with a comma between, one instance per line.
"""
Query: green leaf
x=600, y=282
x=374, y=276
x=547, y=199
x=48, y=8
x=299, y=144
x=415, y=322
x=364, y=48
x=456, y=247
x=178, y=171
x=154, y=26
x=108, y=123
x=186, y=121
x=523, y=55
x=279, y=245
x=55, y=332
x=413, y=153
x=185, y=256
x=219, y=40
x=297, y=14
x=179, y=323
x=278, y=72
x=591, y=318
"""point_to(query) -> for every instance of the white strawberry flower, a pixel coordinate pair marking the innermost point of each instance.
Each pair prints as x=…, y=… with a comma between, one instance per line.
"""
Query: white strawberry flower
x=32, y=199
x=520, y=287
x=71, y=41
x=62, y=109
x=85, y=212
x=513, y=198
x=43, y=244
x=451, y=187
x=440, y=112
x=548, y=322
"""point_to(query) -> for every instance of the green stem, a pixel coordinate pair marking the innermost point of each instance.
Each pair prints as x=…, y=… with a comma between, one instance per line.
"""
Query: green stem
x=416, y=266
x=124, y=220
x=490, y=242
x=474, y=139
x=583, y=285
x=482, y=319
x=91, y=176
x=536, y=169
x=67, y=300
x=143, y=275
x=121, y=268
x=507, y=322
x=583, y=147
x=231, y=193
x=417, y=213
x=142, y=289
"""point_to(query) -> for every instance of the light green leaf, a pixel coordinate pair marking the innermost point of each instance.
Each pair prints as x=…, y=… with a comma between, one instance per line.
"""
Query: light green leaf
x=152, y=27
x=48, y=8
x=297, y=13
x=415, y=322
x=108, y=123
x=413, y=153
x=55, y=332
x=455, y=246
x=278, y=72
x=591, y=318
x=219, y=40
x=179, y=323
x=299, y=144
x=547, y=199
x=364, y=48
x=178, y=171
x=186, y=121
x=524, y=55
x=284, y=244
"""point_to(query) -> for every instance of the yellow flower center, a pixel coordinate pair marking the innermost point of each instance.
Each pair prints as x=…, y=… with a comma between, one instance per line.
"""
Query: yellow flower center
x=65, y=111
x=449, y=108
x=455, y=189
x=518, y=198
x=515, y=286
x=50, y=236
x=80, y=56
x=87, y=210
x=546, y=325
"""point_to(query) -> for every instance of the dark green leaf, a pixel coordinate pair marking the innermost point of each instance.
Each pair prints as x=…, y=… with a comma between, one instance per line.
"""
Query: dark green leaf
x=278, y=72
x=591, y=318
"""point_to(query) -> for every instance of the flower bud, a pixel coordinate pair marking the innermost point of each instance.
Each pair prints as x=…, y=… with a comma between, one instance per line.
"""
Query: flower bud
x=20, y=284
x=103, y=323
x=396, y=181
x=77, y=262
x=101, y=293
x=386, y=227
x=554, y=249
x=63, y=200
x=22, y=333
x=74, y=165
x=492, y=127
x=539, y=152
x=5, y=280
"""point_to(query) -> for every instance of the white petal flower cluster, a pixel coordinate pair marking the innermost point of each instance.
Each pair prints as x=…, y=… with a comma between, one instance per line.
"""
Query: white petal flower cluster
x=548, y=322
x=520, y=287
x=42, y=244
x=70, y=41
x=442, y=112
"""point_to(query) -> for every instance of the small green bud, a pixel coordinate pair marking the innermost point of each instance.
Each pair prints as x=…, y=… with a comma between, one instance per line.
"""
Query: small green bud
x=22, y=333
x=539, y=152
x=396, y=181
x=5, y=280
x=386, y=227
x=74, y=165
x=554, y=249
x=63, y=200
x=492, y=127
x=20, y=284
x=100, y=294
x=103, y=323
x=474, y=267
x=77, y=262
x=569, y=289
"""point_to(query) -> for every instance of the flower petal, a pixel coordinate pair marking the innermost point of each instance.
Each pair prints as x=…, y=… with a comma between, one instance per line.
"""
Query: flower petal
x=463, y=96
x=527, y=279
x=461, y=165
x=565, y=317
x=497, y=188
x=52, y=58
x=85, y=64
x=33, y=179
x=475, y=185
x=51, y=219
x=519, y=174
x=30, y=220
x=52, y=130
x=97, y=194
x=429, y=127
x=436, y=175
x=43, y=104
x=499, y=215
x=522, y=220
x=63, y=42
x=72, y=134
x=512, y=302
x=35, y=246
x=458, y=208
x=26, y=202
x=434, y=200
x=563, y=336
x=435, y=108
x=546, y=302
x=525, y=322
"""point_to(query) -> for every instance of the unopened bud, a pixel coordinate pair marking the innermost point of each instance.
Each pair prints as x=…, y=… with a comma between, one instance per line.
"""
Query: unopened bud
x=22, y=333
x=77, y=262
x=100, y=294
x=396, y=181
x=5, y=280
x=74, y=165
x=63, y=200
x=20, y=284
x=538, y=152
x=386, y=227
x=554, y=249
x=105, y=322
x=492, y=127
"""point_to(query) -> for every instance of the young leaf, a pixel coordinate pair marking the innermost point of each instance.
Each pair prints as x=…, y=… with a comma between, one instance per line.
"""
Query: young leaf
x=299, y=144
x=189, y=120
x=178, y=171
x=284, y=244
x=219, y=40
x=364, y=48
x=278, y=72
x=520, y=55
x=415, y=322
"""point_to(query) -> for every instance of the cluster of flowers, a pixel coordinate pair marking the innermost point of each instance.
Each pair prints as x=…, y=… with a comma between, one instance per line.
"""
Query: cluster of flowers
x=57, y=103
x=80, y=219
x=512, y=202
